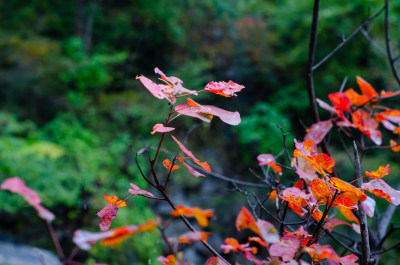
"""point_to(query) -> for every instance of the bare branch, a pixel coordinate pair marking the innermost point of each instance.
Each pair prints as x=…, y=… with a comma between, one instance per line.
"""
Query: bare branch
x=345, y=40
x=387, y=40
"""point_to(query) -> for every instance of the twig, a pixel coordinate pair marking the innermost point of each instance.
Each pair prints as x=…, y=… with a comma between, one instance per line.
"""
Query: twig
x=56, y=242
x=387, y=40
x=387, y=249
x=341, y=243
x=365, y=248
x=344, y=41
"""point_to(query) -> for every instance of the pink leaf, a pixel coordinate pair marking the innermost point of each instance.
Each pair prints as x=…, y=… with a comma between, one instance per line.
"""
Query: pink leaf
x=326, y=106
x=85, y=240
x=18, y=186
x=137, y=191
x=225, y=89
x=192, y=171
x=206, y=113
x=333, y=223
x=161, y=128
x=154, y=89
x=264, y=159
x=349, y=259
x=369, y=205
x=318, y=131
x=285, y=248
x=175, y=82
x=268, y=231
x=108, y=213
x=381, y=189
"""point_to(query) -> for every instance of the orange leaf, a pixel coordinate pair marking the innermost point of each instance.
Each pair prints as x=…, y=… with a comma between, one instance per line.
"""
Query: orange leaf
x=190, y=237
x=317, y=215
x=380, y=173
x=355, y=98
x=115, y=201
x=345, y=187
x=246, y=220
x=348, y=214
x=394, y=146
x=381, y=189
x=201, y=216
x=167, y=164
x=320, y=191
x=366, y=88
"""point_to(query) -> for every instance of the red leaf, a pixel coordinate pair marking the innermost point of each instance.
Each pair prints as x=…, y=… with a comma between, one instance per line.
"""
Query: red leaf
x=320, y=191
x=224, y=89
x=202, y=216
x=285, y=248
x=161, y=128
x=355, y=98
x=193, y=171
x=381, y=189
x=107, y=214
x=246, y=220
x=168, y=165
x=18, y=186
x=394, y=146
x=340, y=101
x=137, y=191
x=318, y=131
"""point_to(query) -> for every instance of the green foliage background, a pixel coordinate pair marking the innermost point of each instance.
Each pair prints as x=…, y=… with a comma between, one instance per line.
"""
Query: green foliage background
x=73, y=115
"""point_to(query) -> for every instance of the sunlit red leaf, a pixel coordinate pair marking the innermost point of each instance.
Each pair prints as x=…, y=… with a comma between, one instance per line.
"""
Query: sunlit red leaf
x=293, y=195
x=161, y=128
x=380, y=173
x=18, y=186
x=137, y=191
x=340, y=101
x=285, y=248
x=366, y=88
x=190, y=154
x=226, y=89
x=268, y=159
x=206, y=113
x=168, y=165
x=381, y=189
x=320, y=191
x=367, y=125
x=333, y=223
x=202, y=216
x=246, y=220
x=318, y=131
x=190, y=237
x=107, y=214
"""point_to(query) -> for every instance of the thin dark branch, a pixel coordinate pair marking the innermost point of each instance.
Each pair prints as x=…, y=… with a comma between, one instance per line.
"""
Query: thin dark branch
x=141, y=172
x=365, y=247
x=311, y=56
x=387, y=249
x=344, y=41
x=222, y=177
x=341, y=243
x=56, y=242
x=387, y=40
